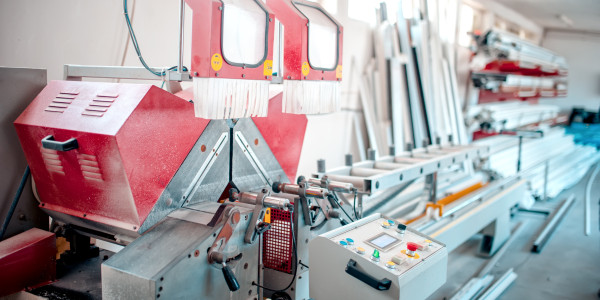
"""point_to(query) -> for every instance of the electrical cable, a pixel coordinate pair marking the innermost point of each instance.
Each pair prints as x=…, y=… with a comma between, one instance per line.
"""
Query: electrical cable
x=296, y=261
x=137, y=46
x=337, y=200
x=14, y=203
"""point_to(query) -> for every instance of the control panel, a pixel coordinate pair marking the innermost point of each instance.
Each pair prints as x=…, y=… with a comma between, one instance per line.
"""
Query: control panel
x=376, y=257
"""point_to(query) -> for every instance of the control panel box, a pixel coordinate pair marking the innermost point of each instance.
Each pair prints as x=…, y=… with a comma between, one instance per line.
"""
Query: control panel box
x=376, y=258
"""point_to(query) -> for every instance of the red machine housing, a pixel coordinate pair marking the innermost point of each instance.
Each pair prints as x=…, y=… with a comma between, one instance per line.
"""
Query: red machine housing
x=284, y=133
x=27, y=260
x=95, y=162
x=296, y=42
x=207, y=55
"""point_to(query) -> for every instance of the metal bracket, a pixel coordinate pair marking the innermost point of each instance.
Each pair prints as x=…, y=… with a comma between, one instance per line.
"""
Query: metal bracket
x=259, y=210
x=232, y=218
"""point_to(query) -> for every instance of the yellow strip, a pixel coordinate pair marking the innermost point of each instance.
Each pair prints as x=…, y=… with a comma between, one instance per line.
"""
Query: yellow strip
x=267, y=218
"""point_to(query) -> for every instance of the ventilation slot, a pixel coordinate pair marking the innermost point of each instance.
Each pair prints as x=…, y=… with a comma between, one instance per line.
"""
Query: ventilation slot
x=99, y=105
x=90, y=167
x=61, y=102
x=52, y=161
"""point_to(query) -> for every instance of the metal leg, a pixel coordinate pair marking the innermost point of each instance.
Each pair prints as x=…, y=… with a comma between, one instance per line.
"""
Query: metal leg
x=495, y=235
x=431, y=186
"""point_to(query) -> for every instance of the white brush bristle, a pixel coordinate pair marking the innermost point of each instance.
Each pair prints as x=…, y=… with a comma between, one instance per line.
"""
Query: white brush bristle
x=310, y=97
x=225, y=98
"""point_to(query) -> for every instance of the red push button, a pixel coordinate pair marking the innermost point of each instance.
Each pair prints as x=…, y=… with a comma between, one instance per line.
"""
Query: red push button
x=412, y=246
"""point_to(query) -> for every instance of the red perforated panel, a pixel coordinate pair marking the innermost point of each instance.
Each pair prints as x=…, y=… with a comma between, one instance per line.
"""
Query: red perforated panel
x=277, y=242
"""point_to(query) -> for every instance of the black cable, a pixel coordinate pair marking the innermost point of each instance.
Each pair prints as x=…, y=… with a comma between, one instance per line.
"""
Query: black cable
x=337, y=200
x=14, y=203
x=137, y=46
x=320, y=225
x=295, y=256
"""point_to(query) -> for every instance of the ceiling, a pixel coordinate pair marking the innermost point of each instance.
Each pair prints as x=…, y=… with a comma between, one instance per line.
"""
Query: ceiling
x=585, y=14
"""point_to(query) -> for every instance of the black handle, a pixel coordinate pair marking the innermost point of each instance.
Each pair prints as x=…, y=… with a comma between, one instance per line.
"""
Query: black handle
x=232, y=282
x=382, y=285
x=49, y=143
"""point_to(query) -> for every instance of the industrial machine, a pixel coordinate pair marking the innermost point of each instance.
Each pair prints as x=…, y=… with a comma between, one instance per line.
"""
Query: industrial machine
x=199, y=187
x=375, y=258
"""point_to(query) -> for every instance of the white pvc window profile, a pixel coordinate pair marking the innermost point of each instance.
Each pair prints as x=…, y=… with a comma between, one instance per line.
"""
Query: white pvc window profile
x=323, y=38
x=244, y=32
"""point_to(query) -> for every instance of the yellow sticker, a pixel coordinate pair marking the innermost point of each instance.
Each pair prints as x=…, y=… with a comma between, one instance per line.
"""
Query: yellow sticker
x=267, y=218
x=338, y=71
x=268, y=68
x=216, y=62
x=305, y=68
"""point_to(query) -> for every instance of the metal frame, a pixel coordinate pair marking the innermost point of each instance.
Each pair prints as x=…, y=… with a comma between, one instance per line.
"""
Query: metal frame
x=425, y=163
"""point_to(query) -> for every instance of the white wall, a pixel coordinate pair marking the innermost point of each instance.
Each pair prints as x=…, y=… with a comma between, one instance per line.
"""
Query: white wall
x=49, y=34
x=581, y=51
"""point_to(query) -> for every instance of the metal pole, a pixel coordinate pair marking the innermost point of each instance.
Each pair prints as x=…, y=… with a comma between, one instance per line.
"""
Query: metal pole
x=546, y=167
x=519, y=155
x=181, y=23
x=587, y=208
x=552, y=224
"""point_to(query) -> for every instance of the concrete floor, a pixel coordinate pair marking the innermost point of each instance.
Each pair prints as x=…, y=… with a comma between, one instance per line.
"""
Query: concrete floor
x=568, y=267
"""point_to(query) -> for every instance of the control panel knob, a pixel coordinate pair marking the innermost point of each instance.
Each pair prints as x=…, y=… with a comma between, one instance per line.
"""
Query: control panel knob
x=390, y=265
x=411, y=248
x=350, y=241
x=401, y=230
x=360, y=250
x=344, y=244
x=375, y=256
x=391, y=222
x=385, y=224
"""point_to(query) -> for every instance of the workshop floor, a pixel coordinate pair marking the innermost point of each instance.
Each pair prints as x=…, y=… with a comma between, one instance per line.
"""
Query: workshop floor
x=568, y=267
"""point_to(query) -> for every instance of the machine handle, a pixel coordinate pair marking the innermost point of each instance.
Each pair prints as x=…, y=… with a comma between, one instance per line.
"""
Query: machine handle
x=382, y=285
x=232, y=282
x=49, y=143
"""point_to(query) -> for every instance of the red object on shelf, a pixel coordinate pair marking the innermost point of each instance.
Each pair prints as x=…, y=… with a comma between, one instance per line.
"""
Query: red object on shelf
x=27, y=260
x=480, y=134
x=277, y=242
x=131, y=140
x=412, y=246
x=518, y=68
x=487, y=96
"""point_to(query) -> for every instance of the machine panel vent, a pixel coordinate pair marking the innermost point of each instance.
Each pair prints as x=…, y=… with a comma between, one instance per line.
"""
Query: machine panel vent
x=61, y=102
x=52, y=161
x=277, y=242
x=100, y=104
x=90, y=167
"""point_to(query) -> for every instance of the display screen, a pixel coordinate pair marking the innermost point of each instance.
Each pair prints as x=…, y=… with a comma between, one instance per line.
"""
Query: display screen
x=383, y=240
